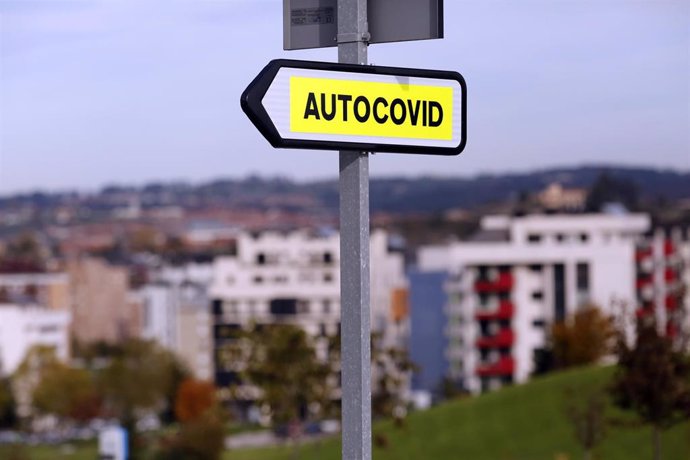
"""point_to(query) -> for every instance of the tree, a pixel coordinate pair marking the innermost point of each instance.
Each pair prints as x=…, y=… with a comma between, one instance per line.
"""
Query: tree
x=586, y=412
x=8, y=405
x=39, y=361
x=68, y=393
x=391, y=367
x=200, y=439
x=584, y=339
x=293, y=382
x=609, y=189
x=194, y=398
x=652, y=379
x=137, y=379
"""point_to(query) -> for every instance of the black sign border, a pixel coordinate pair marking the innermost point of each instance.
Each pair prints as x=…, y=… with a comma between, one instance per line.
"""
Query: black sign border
x=250, y=101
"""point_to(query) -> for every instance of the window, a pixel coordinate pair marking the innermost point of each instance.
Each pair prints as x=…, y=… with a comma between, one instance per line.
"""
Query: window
x=560, y=237
x=533, y=238
x=537, y=268
x=584, y=237
x=327, y=277
x=327, y=257
x=583, y=277
x=261, y=258
x=559, y=292
x=326, y=306
x=258, y=280
x=281, y=307
x=537, y=295
x=540, y=323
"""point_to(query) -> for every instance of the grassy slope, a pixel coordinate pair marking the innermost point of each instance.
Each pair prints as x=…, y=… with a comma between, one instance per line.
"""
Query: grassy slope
x=519, y=423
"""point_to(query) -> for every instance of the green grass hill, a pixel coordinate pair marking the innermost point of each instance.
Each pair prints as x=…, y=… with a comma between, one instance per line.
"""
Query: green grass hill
x=524, y=422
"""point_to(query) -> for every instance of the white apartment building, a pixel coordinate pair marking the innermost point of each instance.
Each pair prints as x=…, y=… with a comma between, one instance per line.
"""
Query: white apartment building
x=520, y=274
x=175, y=313
x=23, y=327
x=295, y=278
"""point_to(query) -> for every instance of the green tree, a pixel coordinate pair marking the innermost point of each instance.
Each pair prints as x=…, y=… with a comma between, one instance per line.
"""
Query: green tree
x=391, y=367
x=652, y=379
x=39, y=361
x=68, y=393
x=138, y=378
x=586, y=412
x=293, y=382
x=8, y=405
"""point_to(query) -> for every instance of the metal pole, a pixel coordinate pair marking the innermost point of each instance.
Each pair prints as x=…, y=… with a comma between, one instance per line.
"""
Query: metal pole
x=354, y=258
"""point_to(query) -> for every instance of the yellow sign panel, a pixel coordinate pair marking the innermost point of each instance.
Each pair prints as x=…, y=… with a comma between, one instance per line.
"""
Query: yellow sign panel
x=364, y=108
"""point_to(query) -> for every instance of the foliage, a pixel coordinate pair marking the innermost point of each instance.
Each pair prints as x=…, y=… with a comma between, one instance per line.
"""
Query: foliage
x=517, y=422
x=39, y=361
x=653, y=379
x=194, y=398
x=391, y=367
x=138, y=378
x=199, y=439
x=284, y=366
x=584, y=339
x=586, y=411
x=609, y=189
x=67, y=392
x=8, y=405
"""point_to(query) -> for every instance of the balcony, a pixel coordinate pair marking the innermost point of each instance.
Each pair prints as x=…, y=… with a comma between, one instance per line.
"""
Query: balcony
x=504, y=366
x=669, y=248
x=504, y=339
x=505, y=310
x=643, y=253
x=503, y=283
x=671, y=302
x=670, y=275
x=644, y=312
x=643, y=282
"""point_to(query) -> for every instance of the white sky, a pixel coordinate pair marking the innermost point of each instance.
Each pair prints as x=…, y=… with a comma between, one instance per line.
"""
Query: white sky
x=96, y=92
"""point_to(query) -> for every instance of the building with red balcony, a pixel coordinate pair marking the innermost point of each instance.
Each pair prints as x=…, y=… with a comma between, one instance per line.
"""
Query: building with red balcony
x=519, y=275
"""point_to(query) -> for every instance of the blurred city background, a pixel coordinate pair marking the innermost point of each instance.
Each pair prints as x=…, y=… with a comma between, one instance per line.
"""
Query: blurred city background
x=171, y=283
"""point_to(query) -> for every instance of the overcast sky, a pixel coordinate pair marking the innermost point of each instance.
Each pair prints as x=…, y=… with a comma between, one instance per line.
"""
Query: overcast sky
x=97, y=92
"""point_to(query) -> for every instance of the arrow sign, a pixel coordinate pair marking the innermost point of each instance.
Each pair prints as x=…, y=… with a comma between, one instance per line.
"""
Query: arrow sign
x=319, y=105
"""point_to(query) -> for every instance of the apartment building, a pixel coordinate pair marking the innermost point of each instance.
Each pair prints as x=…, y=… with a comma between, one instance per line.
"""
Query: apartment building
x=503, y=288
x=25, y=326
x=663, y=279
x=101, y=307
x=176, y=314
x=295, y=278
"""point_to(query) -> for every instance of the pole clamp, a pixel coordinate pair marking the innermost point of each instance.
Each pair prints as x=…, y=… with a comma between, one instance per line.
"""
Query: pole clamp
x=353, y=37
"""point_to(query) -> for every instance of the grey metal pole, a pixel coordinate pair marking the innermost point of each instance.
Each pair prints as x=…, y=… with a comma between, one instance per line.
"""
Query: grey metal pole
x=354, y=258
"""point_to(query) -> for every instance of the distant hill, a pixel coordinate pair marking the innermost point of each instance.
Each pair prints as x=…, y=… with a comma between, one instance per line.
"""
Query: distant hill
x=425, y=194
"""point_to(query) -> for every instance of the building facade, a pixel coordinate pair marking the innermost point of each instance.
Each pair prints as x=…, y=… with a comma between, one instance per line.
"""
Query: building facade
x=176, y=314
x=23, y=327
x=100, y=304
x=294, y=278
x=519, y=275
